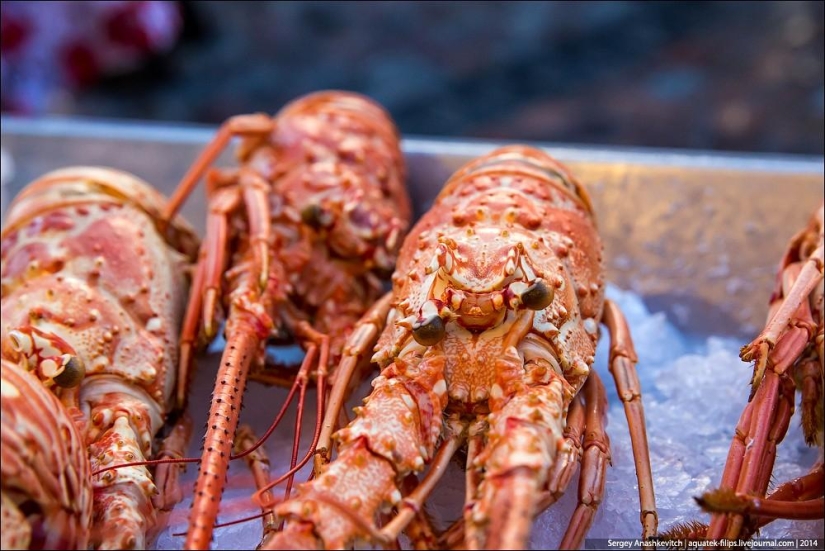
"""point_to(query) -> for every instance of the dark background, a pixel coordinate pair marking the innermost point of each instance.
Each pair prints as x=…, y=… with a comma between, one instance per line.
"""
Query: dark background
x=743, y=76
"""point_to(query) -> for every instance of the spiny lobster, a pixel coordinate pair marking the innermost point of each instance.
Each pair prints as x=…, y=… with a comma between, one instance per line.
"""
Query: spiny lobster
x=787, y=355
x=295, y=238
x=46, y=477
x=92, y=299
x=487, y=338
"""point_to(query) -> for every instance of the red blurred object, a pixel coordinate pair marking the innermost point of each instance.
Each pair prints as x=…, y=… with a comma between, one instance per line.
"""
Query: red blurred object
x=50, y=49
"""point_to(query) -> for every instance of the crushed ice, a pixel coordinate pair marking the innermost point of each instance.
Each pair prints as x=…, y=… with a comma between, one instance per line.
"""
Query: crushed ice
x=694, y=391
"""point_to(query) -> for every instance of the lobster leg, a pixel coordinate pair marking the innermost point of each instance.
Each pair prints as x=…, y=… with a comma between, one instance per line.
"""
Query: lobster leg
x=167, y=475
x=359, y=344
x=765, y=420
x=206, y=283
x=420, y=530
x=809, y=276
x=473, y=479
x=256, y=198
x=809, y=509
x=411, y=505
x=596, y=457
x=120, y=432
x=241, y=125
x=622, y=367
x=393, y=434
x=809, y=375
x=803, y=489
x=796, y=499
x=258, y=463
x=570, y=455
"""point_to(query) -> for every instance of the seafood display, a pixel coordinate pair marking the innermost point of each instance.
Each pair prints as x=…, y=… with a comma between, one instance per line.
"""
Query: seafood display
x=297, y=236
x=92, y=300
x=487, y=339
x=487, y=381
x=787, y=356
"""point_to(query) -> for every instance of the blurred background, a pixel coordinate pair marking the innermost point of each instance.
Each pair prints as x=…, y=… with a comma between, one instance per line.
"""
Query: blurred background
x=735, y=76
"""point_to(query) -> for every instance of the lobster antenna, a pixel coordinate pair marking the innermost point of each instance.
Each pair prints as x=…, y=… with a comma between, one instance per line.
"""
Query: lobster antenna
x=229, y=523
x=255, y=446
x=259, y=123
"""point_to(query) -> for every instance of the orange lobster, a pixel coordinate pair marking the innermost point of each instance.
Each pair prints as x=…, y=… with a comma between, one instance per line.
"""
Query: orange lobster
x=316, y=209
x=787, y=355
x=92, y=300
x=487, y=338
x=46, y=477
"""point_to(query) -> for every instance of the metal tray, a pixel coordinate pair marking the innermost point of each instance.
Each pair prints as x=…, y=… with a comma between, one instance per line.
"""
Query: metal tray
x=697, y=234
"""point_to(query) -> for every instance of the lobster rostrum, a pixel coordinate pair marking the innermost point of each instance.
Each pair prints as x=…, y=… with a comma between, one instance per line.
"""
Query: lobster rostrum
x=313, y=215
x=92, y=300
x=487, y=338
x=787, y=356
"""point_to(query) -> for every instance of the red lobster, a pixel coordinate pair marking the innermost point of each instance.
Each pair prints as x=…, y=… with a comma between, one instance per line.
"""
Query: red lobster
x=488, y=337
x=92, y=299
x=787, y=355
x=317, y=207
x=46, y=477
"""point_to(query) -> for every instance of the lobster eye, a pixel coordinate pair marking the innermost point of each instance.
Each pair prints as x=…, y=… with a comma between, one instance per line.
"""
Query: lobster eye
x=315, y=216
x=537, y=296
x=429, y=332
x=73, y=373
